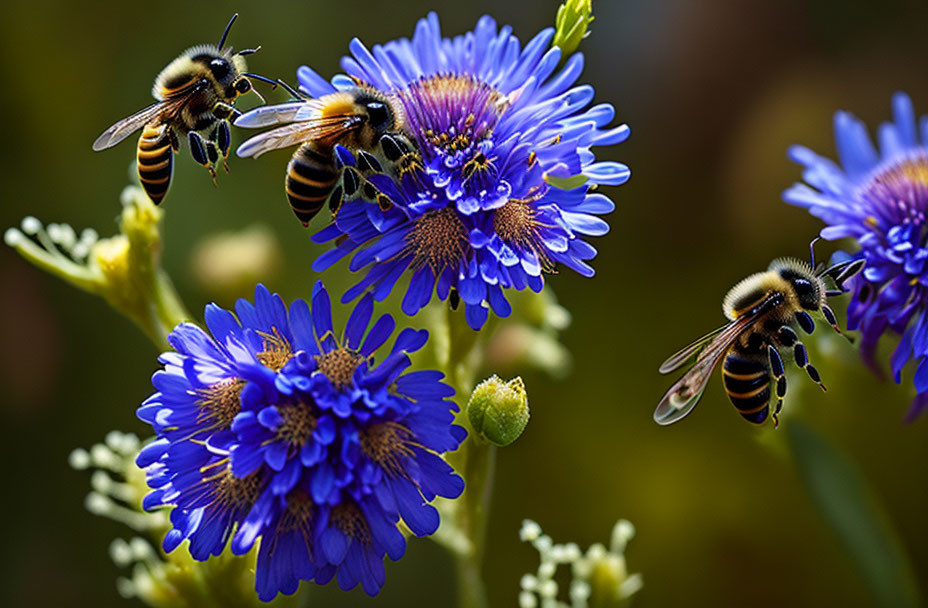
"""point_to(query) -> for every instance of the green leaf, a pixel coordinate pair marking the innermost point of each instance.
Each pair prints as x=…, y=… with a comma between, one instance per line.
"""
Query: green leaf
x=566, y=183
x=855, y=515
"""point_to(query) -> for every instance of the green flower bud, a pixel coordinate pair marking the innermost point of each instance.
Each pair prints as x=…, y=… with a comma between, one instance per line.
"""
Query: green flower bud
x=498, y=410
x=572, y=25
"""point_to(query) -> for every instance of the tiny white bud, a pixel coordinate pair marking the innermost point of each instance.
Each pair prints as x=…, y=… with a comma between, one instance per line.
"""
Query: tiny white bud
x=125, y=588
x=547, y=569
x=141, y=548
x=89, y=236
x=571, y=552
x=528, y=582
x=79, y=459
x=579, y=591
x=120, y=553
x=98, y=504
x=543, y=544
x=31, y=225
x=547, y=589
x=530, y=530
x=13, y=237
x=101, y=482
x=631, y=585
x=527, y=600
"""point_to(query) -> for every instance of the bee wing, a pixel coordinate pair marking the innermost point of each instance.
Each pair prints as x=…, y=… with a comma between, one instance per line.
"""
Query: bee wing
x=330, y=128
x=129, y=125
x=685, y=393
x=265, y=116
x=688, y=352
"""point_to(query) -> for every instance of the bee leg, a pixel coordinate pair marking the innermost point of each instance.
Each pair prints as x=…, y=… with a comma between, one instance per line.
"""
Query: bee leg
x=172, y=136
x=351, y=181
x=335, y=199
x=454, y=298
x=779, y=376
x=830, y=317
x=198, y=149
x=805, y=321
x=802, y=360
x=224, y=111
x=222, y=135
x=786, y=336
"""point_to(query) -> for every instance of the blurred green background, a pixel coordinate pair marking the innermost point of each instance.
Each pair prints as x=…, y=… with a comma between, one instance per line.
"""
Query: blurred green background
x=714, y=92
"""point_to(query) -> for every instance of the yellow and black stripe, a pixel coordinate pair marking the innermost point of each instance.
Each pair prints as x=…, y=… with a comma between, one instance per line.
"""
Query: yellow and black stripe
x=747, y=382
x=155, y=160
x=311, y=178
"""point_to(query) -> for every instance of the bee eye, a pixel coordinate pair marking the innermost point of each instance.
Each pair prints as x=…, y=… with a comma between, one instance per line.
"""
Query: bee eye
x=803, y=287
x=219, y=68
x=378, y=114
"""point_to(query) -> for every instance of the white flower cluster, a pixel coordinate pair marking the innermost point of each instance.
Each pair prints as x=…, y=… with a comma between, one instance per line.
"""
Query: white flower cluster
x=599, y=577
x=117, y=490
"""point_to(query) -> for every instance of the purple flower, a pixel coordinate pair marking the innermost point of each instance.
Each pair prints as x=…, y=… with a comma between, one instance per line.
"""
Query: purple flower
x=879, y=197
x=274, y=428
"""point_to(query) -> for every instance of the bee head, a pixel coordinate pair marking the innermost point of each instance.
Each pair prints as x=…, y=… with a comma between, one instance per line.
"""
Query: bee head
x=808, y=288
x=380, y=115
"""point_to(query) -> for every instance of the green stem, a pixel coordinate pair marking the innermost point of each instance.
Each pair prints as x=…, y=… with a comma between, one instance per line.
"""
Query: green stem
x=474, y=460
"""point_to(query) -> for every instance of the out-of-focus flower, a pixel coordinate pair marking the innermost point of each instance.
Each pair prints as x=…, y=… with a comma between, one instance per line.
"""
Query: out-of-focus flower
x=274, y=428
x=498, y=411
x=124, y=269
x=879, y=197
x=158, y=580
x=505, y=193
x=230, y=263
x=599, y=579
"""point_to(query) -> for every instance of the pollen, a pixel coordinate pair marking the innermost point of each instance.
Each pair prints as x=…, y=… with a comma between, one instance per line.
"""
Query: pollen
x=299, y=422
x=386, y=444
x=517, y=224
x=437, y=239
x=901, y=189
x=277, y=350
x=348, y=518
x=452, y=112
x=231, y=491
x=220, y=402
x=338, y=366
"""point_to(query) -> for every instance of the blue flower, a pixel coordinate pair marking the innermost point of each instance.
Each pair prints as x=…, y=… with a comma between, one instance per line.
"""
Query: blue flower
x=497, y=126
x=879, y=197
x=275, y=428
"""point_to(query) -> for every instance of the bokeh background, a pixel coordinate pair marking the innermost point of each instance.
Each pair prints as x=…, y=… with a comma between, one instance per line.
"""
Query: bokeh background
x=714, y=91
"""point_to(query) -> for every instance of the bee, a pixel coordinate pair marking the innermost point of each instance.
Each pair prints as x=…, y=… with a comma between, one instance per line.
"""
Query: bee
x=195, y=95
x=764, y=311
x=365, y=122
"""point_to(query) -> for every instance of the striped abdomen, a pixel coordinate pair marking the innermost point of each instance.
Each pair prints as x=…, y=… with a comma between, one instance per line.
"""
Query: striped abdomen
x=747, y=382
x=155, y=160
x=311, y=177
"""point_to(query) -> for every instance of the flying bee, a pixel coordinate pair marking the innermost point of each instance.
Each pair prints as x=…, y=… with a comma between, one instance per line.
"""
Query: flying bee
x=764, y=309
x=195, y=95
x=366, y=122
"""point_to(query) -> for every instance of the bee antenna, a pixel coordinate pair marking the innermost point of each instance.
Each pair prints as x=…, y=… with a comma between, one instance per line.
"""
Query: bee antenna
x=812, y=251
x=244, y=52
x=225, y=33
x=261, y=78
x=297, y=94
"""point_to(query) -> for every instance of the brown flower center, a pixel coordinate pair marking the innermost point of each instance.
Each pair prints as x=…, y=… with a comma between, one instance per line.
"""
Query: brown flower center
x=277, y=350
x=386, y=443
x=438, y=239
x=231, y=491
x=348, y=518
x=298, y=424
x=220, y=402
x=338, y=366
x=517, y=224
